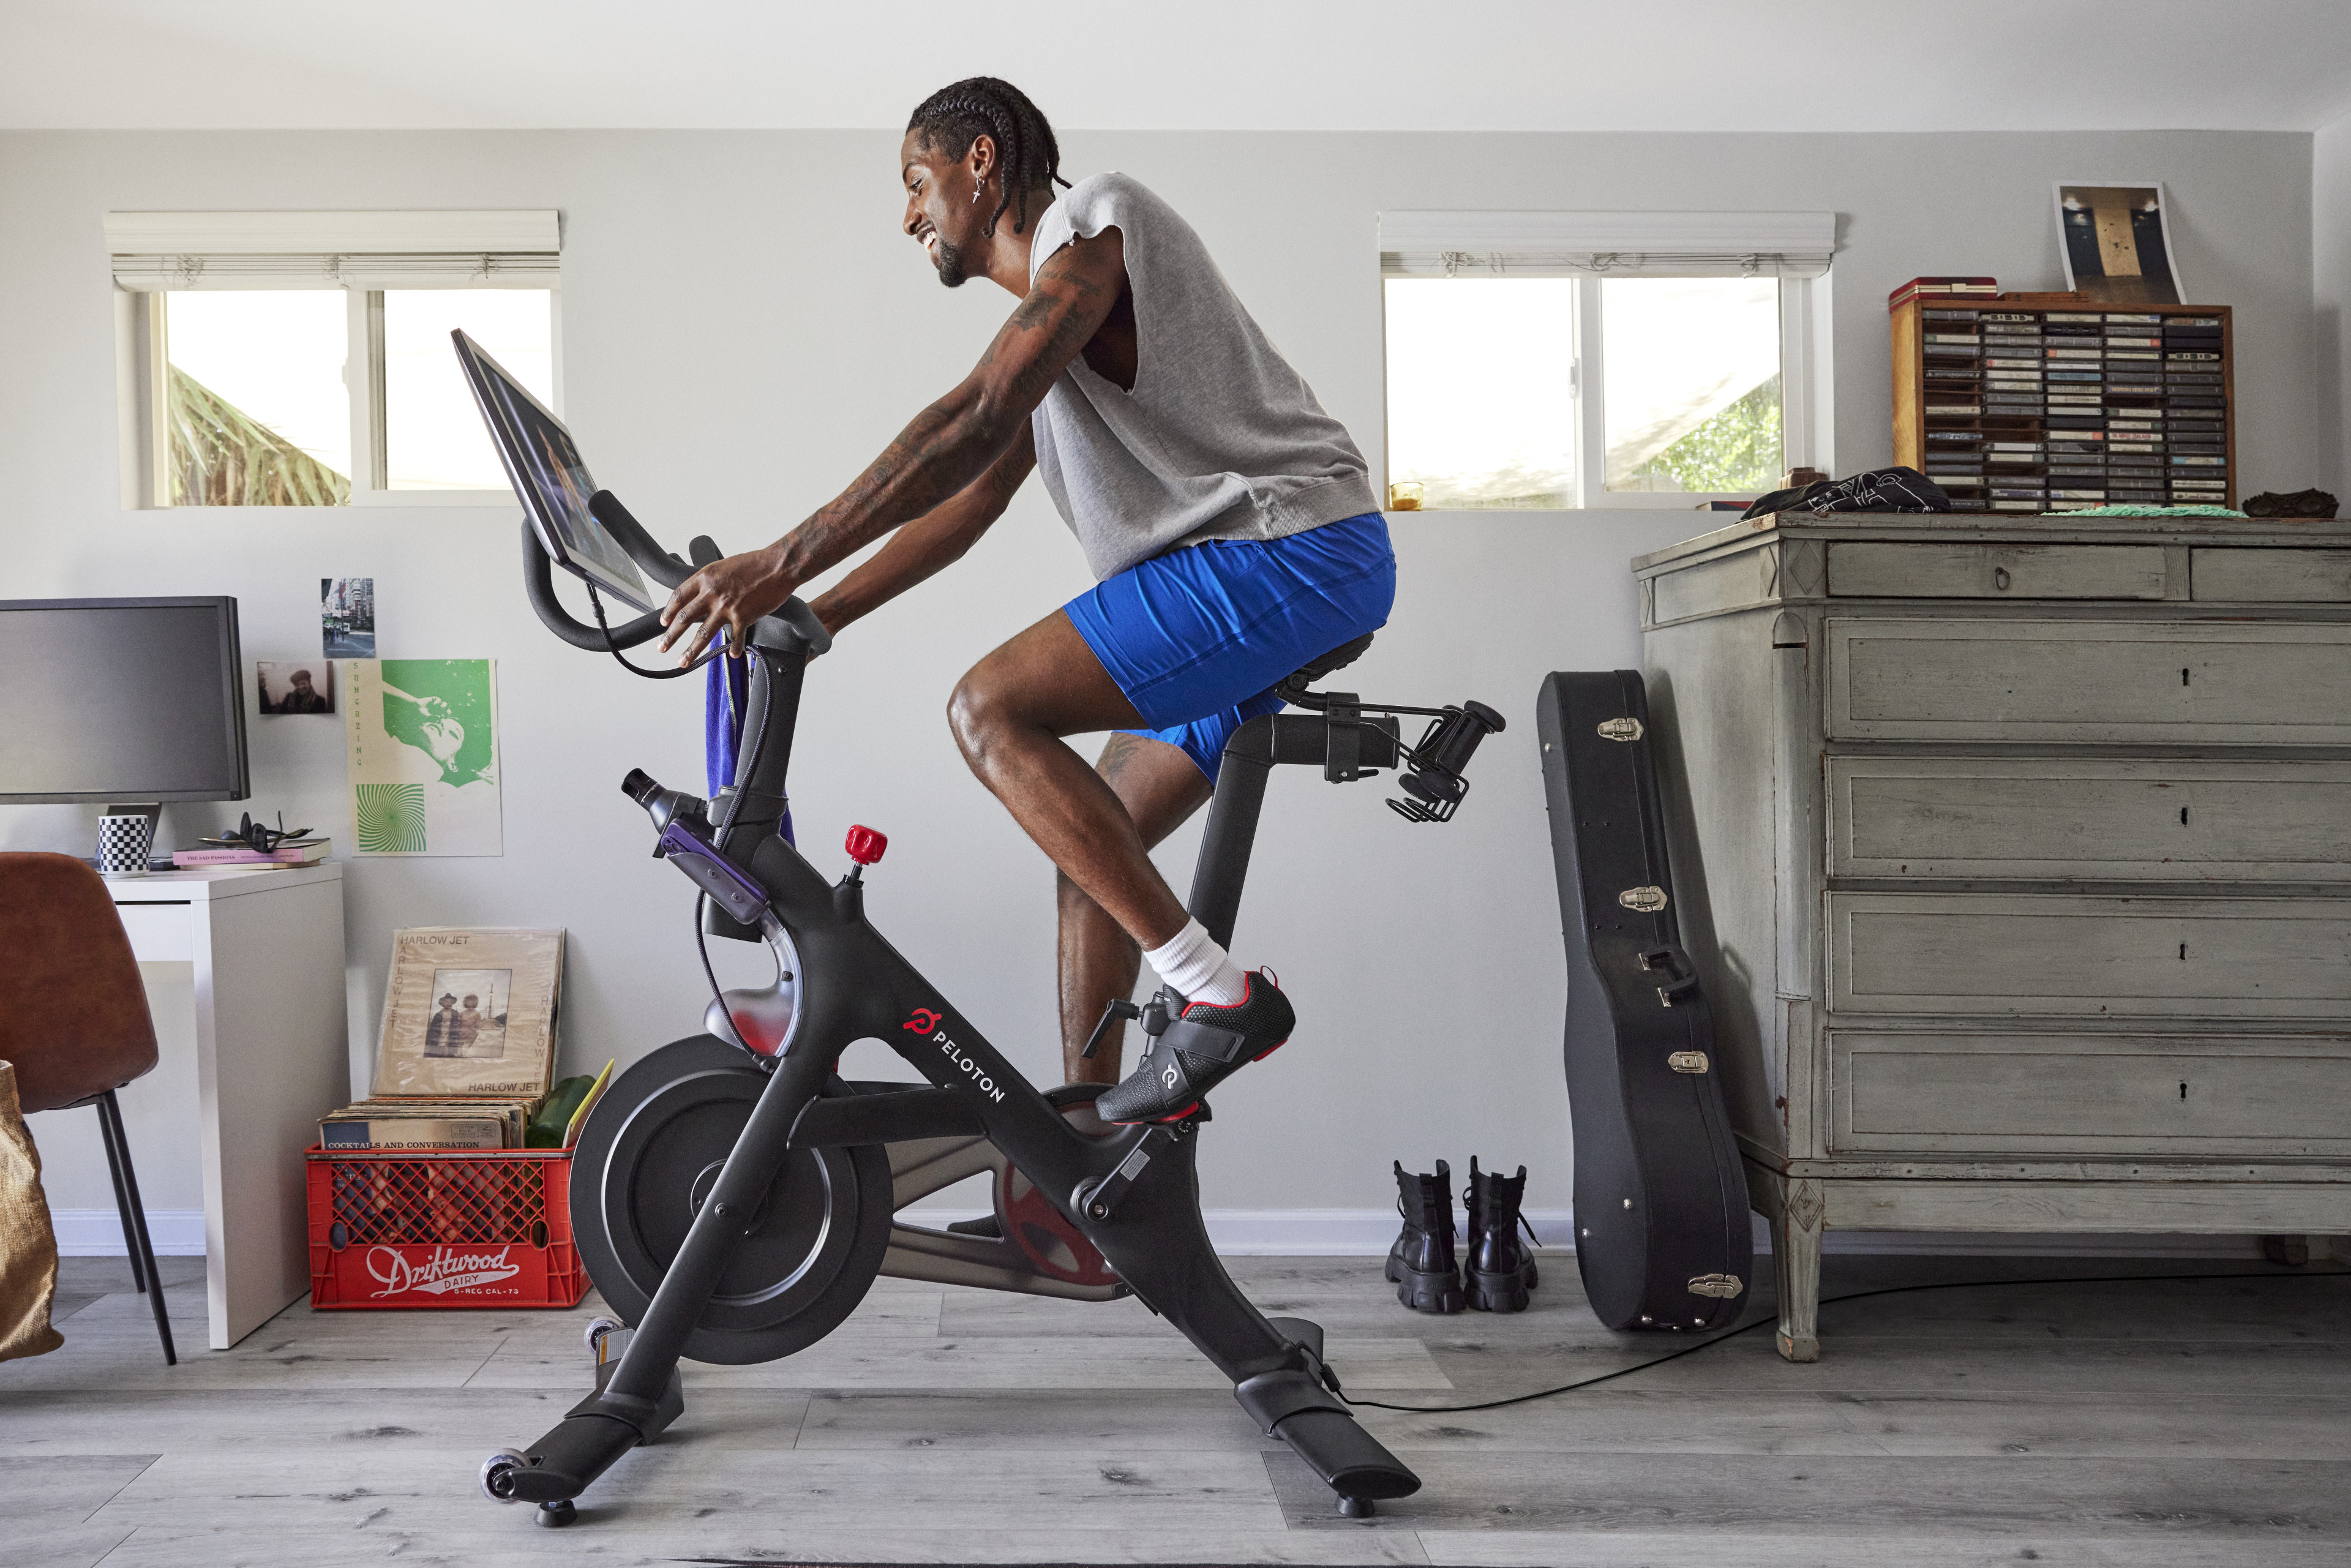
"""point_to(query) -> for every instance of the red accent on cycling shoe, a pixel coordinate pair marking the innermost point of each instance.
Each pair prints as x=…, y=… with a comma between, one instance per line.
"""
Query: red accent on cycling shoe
x=866, y=845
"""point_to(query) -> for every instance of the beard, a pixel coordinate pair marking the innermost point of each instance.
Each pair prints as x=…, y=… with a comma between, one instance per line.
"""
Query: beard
x=950, y=263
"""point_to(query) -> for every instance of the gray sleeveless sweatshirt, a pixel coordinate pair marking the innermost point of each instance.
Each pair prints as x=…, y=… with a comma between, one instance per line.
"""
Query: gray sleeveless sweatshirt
x=1221, y=439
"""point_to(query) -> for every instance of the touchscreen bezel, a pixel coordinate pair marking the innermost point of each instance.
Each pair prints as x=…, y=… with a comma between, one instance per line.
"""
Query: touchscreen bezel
x=556, y=500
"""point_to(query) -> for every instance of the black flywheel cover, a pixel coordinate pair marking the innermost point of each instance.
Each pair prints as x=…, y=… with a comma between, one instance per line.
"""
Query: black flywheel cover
x=646, y=1162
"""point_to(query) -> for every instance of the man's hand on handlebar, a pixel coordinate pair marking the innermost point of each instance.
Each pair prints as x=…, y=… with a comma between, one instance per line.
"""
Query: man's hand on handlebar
x=732, y=593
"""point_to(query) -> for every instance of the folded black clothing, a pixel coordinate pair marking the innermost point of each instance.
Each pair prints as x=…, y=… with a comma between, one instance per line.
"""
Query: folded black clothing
x=2300, y=504
x=1879, y=490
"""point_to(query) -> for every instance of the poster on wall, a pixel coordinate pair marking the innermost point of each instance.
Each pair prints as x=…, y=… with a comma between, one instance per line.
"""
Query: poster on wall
x=2117, y=240
x=424, y=744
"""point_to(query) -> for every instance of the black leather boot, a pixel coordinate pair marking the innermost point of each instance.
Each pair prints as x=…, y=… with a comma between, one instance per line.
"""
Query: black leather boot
x=1421, y=1261
x=1499, y=1271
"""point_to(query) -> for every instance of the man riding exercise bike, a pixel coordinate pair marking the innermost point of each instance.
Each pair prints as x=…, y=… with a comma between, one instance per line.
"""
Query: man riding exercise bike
x=1231, y=523
x=732, y=1196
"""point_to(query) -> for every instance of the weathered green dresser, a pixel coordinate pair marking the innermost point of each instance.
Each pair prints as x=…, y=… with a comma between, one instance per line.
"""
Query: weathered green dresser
x=2015, y=853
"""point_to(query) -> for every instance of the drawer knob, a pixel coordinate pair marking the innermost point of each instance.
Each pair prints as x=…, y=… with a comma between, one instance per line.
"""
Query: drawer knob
x=2000, y=578
x=1688, y=1061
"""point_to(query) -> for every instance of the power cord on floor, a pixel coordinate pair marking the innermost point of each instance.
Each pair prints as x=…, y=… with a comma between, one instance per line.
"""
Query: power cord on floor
x=1695, y=1346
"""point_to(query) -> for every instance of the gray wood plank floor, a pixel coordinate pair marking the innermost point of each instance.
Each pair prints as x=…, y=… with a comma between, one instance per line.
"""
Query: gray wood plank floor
x=2178, y=1424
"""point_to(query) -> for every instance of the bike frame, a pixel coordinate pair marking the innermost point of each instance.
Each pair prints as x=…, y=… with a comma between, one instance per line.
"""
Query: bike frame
x=1132, y=1194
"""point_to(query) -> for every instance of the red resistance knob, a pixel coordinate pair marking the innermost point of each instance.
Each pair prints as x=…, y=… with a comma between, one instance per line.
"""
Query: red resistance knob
x=866, y=845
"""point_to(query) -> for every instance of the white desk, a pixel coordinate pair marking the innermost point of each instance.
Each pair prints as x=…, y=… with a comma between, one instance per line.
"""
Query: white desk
x=272, y=1056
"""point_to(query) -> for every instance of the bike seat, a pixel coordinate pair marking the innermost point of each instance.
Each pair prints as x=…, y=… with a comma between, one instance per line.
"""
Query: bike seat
x=1337, y=659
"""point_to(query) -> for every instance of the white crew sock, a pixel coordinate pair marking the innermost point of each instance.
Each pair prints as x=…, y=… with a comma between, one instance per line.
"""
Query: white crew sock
x=1193, y=963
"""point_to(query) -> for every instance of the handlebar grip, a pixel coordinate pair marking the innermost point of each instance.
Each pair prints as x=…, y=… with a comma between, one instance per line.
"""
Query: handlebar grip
x=652, y=559
x=539, y=582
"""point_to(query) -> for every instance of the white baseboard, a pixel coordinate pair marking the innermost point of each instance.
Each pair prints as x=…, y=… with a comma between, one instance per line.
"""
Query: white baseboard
x=97, y=1232
x=1329, y=1233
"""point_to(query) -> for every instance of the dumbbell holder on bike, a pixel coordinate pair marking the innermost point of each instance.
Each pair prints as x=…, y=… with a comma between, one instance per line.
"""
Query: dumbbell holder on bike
x=734, y=1199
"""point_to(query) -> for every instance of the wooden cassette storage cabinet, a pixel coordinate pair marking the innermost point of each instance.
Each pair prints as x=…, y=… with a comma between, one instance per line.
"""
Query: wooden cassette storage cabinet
x=2015, y=854
x=2141, y=421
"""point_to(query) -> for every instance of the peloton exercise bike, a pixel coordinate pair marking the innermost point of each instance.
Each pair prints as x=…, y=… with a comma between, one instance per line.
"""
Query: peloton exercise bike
x=734, y=1199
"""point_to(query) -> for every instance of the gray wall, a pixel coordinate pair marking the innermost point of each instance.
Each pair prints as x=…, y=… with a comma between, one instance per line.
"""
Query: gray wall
x=743, y=324
x=2330, y=227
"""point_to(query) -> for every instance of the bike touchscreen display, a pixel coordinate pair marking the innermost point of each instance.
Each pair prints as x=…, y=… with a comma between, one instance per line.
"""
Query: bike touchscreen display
x=549, y=477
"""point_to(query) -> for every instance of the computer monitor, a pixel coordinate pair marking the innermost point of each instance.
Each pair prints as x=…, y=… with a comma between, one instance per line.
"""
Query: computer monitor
x=548, y=474
x=121, y=699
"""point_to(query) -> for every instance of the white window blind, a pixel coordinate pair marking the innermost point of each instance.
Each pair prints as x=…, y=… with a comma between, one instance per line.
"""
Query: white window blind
x=168, y=251
x=1568, y=245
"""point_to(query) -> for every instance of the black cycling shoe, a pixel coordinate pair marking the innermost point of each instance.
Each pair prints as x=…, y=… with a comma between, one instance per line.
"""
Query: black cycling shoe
x=1199, y=1050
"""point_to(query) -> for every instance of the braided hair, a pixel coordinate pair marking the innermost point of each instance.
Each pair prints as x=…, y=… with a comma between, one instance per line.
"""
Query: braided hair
x=1025, y=149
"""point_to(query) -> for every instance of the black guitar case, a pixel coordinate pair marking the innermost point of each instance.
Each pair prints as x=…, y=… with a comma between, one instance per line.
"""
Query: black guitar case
x=1661, y=1229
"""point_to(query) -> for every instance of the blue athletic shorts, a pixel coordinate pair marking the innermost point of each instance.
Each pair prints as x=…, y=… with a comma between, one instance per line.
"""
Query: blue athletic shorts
x=1196, y=638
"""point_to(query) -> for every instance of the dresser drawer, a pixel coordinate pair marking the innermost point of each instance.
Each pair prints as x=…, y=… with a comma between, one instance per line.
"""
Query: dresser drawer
x=2088, y=681
x=1864, y=569
x=2090, y=1094
x=2272, y=576
x=2124, y=820
x=1993, y=954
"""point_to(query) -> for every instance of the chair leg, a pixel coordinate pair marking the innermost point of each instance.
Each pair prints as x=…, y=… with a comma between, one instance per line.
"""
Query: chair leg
x=106, y=1132
x=134, y=1220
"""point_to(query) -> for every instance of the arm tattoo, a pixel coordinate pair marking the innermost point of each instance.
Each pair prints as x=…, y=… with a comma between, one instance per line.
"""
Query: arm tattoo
x=958, y=438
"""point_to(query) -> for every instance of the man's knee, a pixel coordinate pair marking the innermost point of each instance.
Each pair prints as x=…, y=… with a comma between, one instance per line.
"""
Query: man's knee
x=979, y=710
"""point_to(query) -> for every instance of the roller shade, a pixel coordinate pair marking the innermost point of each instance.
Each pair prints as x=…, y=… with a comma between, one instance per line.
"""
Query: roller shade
x=154, y=251
x=1564, y=244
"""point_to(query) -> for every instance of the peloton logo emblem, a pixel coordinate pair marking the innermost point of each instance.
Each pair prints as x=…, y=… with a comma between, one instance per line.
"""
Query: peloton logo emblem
x=926, y=1022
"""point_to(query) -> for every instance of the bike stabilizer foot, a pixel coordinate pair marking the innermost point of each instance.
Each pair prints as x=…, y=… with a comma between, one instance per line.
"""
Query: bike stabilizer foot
x=587, y=1441
x=1291, y=1404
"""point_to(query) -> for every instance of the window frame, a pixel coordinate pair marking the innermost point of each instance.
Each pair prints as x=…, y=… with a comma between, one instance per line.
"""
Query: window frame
x=1805, y=431
x=1589, y=248
x=364, y=254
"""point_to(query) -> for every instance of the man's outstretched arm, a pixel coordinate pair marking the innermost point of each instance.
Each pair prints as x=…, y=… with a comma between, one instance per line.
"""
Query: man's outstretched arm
x=950, y=444
x=931, y=543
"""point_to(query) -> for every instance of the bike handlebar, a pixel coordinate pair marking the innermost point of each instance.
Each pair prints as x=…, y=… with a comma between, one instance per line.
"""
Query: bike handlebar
x=792, y=629
x=630, y=535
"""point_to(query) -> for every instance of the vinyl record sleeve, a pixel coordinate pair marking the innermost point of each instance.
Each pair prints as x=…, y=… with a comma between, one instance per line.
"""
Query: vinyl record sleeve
x=470, y=1012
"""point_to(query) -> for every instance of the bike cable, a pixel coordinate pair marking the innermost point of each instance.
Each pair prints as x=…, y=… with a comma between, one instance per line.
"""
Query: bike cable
x=1826, y=1300
x=702, y=946
x=597, y=604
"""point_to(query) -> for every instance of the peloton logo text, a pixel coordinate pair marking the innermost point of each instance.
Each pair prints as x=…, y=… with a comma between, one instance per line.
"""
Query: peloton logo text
x=446, y=1270
x=926, y=1021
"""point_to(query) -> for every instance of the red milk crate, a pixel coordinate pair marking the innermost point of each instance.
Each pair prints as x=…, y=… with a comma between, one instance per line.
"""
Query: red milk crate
x=491, y=1228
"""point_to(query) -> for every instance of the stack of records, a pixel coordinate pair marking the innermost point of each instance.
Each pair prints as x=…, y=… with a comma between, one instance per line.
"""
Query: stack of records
x=467, y=1051
x=2054, y=410
x=1940, y=288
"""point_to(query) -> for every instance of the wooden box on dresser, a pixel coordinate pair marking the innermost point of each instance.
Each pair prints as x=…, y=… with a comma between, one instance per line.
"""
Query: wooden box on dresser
x=2015, y=852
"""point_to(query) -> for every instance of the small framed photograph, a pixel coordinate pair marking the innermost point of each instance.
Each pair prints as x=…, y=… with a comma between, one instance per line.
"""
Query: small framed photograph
x=469, y=1018
x=347, y=617
x=2117, y=241
x=298, y=686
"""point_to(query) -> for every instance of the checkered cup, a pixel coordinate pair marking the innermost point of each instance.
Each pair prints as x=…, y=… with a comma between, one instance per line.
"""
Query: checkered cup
x=122, y=844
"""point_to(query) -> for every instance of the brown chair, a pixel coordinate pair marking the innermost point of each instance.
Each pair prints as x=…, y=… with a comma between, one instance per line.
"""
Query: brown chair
x=73, y=1019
